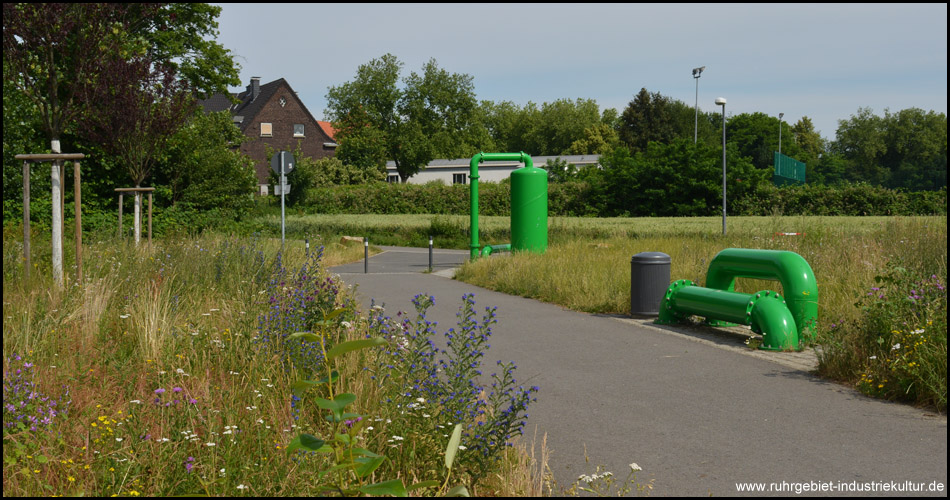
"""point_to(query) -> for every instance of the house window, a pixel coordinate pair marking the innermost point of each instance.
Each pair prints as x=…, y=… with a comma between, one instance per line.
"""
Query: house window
x=298, y=130
x=458, y=179
x=393, y=179
x=267, y=130
x=283, y=102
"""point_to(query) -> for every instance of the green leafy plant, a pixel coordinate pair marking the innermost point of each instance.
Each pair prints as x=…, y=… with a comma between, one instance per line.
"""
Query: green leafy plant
x=354, y=464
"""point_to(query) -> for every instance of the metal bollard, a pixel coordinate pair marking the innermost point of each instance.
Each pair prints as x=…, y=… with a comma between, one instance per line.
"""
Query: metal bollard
x=365, y=255
x=430, y=253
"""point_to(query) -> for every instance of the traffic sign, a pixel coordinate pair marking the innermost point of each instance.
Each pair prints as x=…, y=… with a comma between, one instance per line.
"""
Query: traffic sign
x=283, y=160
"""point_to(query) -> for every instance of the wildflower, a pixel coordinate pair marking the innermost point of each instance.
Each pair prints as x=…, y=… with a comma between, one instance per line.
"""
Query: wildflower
x=159, y=391
x=176, y=389
x=209, y=444
x=241, y=487
x=634, y=467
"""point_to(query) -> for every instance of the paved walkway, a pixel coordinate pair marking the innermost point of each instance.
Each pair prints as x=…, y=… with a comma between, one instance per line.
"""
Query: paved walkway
x=694, y=408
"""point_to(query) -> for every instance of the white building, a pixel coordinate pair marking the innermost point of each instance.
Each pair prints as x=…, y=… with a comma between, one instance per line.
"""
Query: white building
x=456, y=171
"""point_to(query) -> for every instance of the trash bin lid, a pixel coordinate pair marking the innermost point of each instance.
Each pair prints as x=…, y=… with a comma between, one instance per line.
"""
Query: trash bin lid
x=649, y=258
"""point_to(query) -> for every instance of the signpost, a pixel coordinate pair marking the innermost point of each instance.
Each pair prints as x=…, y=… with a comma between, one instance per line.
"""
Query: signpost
x=282, y=163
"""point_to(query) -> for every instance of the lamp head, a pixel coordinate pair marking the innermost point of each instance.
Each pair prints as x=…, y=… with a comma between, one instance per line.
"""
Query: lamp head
x=721, y=101
x=698, y=71
x=780, y=115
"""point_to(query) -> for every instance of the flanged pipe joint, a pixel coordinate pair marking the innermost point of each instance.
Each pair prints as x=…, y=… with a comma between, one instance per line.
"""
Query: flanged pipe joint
x=766, y=312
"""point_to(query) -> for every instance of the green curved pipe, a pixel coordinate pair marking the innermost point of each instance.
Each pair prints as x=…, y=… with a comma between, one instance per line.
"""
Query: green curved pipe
x=772, y=318
x=789, y=268
x=766, y=312
x=489, y=249
x=473, y=175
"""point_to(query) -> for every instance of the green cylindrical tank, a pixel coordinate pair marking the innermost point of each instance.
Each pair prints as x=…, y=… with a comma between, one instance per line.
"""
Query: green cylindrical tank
x=529, y=209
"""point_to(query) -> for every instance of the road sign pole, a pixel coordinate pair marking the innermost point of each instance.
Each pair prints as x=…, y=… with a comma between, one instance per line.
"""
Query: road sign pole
x=282, y=229
x=282, y=163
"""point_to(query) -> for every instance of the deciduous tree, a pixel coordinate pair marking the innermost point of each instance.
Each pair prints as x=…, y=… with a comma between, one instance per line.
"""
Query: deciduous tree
x=429, y=116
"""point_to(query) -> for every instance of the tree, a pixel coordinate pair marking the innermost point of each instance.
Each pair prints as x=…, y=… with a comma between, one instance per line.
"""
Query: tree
x=140, y=105
x=598, y=139
x=410, y=125
x=559, y=124
x=907, y=149
x=861, y=141
x=444, y=106
x=53, y=52
x=655, y=118
x=182, y=35
x=916, y=149
x=810, y=144
x=507, y=124
x=203, y=169
x=756, y=136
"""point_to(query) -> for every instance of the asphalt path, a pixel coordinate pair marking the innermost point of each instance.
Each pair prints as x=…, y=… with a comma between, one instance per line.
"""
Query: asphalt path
x=694, y=408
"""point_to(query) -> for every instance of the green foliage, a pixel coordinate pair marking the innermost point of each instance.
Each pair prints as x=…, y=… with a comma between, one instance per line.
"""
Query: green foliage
x=756, y=137
x=325, y=172
x=183, y=34
x=203, y=171
x=907, y=149
x=657, y=118
x=21, y=135
x=430, y=117
x=557, y=128
x=810, y=144
x=897, y=348
x=632, y=185
x=848, y=199
x=598, y=139
x=687, y=178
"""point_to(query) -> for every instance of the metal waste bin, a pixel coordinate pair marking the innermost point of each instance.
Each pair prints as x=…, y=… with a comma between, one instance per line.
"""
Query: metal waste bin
x=649, y=279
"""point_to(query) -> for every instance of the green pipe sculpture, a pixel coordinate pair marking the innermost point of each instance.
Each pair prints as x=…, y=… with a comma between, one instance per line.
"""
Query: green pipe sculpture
x=789, y=268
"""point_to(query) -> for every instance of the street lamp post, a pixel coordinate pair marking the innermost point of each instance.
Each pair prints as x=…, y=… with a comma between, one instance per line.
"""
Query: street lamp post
x=721, y=101
x=696, y=73
x=780, y=115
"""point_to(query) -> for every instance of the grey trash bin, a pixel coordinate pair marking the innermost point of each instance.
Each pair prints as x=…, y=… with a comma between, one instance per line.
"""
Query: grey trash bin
x=649, y=279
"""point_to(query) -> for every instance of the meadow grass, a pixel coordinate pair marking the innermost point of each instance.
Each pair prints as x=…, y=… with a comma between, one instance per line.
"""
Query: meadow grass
x=169, y=370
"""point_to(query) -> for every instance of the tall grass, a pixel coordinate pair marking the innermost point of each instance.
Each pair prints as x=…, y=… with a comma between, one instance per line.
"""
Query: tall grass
x=150, y=377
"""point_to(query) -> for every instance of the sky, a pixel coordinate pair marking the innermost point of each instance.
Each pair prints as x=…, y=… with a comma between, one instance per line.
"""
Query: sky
x=823, y=61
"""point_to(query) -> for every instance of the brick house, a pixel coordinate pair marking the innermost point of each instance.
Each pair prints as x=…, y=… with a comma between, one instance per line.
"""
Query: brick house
x=272, y=115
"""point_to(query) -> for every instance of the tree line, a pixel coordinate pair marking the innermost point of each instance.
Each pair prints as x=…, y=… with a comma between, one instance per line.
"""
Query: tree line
x=435, y=114
x=120, y=83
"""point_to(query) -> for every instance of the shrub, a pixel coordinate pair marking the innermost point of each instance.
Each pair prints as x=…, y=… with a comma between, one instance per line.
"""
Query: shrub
x=897, y=349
